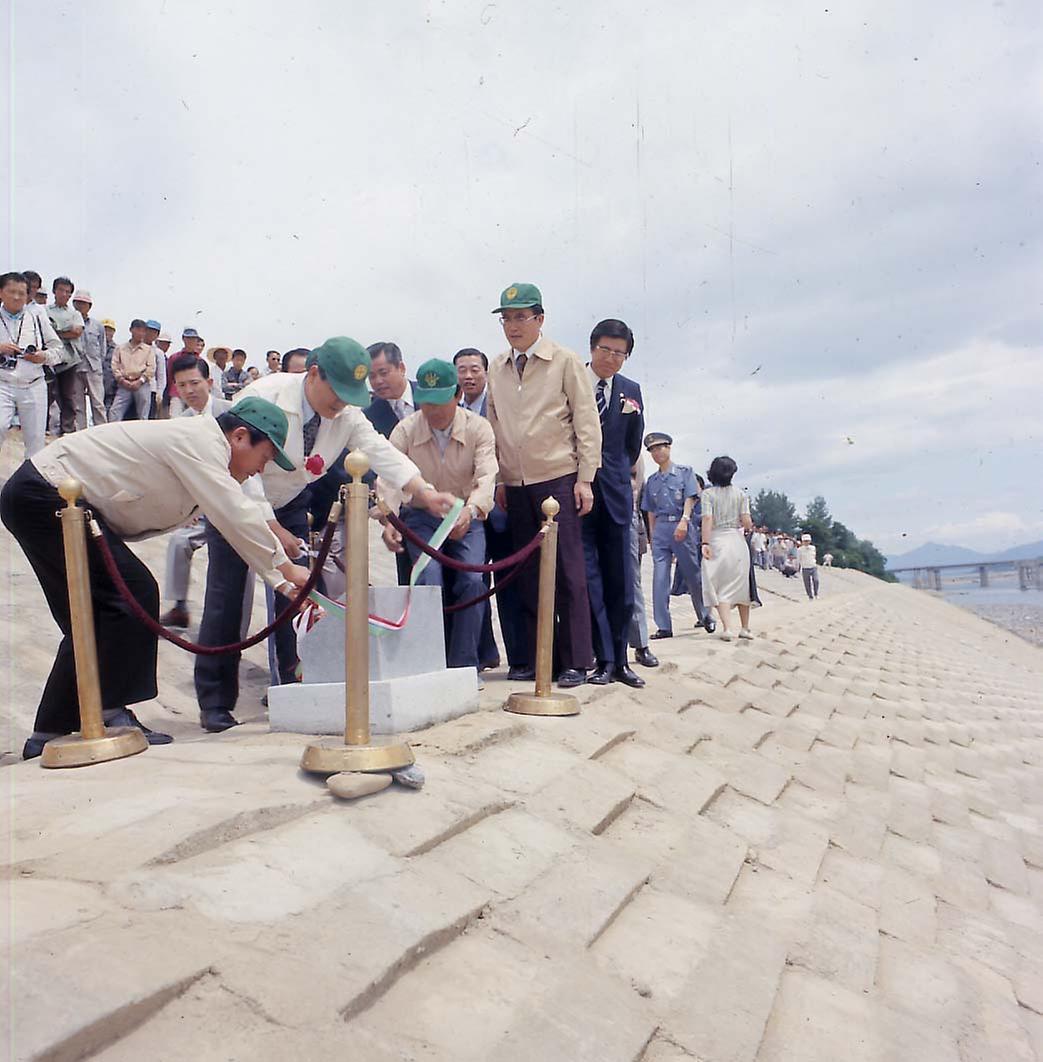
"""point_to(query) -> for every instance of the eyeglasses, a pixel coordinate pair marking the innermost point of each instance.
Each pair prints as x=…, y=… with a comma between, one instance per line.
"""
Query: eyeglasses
x=505, y=321
x=621, y=354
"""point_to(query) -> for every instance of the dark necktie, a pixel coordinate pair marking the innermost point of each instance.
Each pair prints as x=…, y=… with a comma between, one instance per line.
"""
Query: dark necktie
x=311, y=430
x=519, y=364
x=600, y=398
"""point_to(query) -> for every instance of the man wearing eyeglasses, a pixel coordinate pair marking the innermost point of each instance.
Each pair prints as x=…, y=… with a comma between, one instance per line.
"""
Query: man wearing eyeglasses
x=607, y=530
x=548, y=437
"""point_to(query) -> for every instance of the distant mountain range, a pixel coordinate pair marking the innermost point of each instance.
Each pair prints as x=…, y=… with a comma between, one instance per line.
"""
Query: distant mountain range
x=932, y=553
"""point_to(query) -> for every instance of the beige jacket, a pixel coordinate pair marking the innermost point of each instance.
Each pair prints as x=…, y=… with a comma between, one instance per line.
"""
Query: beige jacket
x=349, y=429
x=130, y=362
x=468, y=466
x=547, y=423
x=149, y=476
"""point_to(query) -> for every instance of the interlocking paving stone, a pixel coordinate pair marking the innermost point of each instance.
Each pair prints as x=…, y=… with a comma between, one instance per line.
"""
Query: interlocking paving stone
x=826, y=844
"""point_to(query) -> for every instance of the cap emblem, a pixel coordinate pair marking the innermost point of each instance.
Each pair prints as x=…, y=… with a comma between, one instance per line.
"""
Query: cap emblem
x=511, y=293
x=361, y=372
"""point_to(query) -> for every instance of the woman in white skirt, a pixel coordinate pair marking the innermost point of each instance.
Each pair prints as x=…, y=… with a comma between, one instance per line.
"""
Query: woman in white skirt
x=726, y=555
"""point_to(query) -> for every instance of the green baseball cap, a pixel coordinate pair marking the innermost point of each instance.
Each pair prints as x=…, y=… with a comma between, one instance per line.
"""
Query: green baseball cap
x=268, y=419
x=346, y=365
x=519, y=297
x=435, y=383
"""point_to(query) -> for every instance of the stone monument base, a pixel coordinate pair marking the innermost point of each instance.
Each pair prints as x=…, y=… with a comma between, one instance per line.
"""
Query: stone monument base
x=396, y=705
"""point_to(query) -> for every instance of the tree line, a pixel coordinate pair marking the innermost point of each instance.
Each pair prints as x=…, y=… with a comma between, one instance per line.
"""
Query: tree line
x=772, y=509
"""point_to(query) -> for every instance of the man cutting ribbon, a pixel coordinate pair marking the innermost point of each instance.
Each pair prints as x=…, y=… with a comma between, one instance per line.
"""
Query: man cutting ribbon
x=323, y=409
x=455, y=451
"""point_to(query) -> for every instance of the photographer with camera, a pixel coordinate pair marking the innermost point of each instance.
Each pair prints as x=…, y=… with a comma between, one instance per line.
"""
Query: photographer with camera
x=27, y=343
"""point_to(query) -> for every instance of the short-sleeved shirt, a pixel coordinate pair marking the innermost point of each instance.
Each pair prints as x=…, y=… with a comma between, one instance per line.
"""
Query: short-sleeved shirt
x=63, y=318
x=665, y=492
x=726, y=505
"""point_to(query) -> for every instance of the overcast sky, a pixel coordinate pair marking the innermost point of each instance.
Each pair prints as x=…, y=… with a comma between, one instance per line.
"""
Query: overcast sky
x=823, y=224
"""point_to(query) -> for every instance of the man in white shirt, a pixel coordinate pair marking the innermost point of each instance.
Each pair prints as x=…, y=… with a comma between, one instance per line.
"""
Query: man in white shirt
x=27, y=341
x=139, y=479
x=322, y=408
x=808, y=566
x=192, y=378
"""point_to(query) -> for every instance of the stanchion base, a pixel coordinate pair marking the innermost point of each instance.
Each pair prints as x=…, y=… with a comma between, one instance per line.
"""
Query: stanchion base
x=332, y=756
x=533, y=704
x=76, y=751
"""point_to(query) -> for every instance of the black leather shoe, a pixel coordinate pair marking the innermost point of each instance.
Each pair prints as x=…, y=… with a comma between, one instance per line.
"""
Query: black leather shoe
x=645, y=657
x=661, y=634
x=521, y=674
x=627, y=677
x=33, y=747
x=216, y=720
x=570, y=677
x=707, y=624
x=600, y=676
x=489, y=665
x=125, y=717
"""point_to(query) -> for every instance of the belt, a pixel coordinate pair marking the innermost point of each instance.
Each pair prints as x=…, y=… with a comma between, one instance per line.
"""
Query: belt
x=668, y=519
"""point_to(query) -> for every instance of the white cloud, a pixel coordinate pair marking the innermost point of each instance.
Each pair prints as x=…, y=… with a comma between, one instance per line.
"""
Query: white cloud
x=847, y=197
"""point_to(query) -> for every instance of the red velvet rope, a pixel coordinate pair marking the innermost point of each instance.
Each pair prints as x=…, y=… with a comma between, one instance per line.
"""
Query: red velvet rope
x=500, y=584
x=459, y=566
x=212, y=650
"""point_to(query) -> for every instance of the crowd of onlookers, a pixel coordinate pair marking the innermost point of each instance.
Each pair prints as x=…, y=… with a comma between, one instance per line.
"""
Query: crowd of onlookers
x=77, y=374
x=788, y=555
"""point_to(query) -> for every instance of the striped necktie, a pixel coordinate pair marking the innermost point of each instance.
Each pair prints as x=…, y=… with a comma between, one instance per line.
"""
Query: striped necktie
x=600, y=398
x=311, y=430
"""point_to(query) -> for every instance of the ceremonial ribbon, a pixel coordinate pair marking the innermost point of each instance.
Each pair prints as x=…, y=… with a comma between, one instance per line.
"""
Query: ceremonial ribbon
x=380, y=625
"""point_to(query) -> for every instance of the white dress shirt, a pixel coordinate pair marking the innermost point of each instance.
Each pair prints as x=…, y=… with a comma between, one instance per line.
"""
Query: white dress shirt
x=349, y=429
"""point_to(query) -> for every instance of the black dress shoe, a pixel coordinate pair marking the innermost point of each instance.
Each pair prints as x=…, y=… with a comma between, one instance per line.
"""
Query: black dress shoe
x=521, y=674
x=489, y=665
x=600, y=676
x=125, y=717
x=645, y=657
x=707, y=624
x=662, y=634
x=627, y=677
x=33, y=747
x=216, y=720
x=570, y=677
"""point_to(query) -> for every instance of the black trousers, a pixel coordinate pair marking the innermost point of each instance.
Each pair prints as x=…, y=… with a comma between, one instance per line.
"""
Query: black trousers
x=217, y=677
x=515, y=631
x=572, y=645
x=610, y=586
x=126, y=650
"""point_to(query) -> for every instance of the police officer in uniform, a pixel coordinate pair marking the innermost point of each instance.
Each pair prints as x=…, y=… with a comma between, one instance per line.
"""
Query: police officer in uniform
x=670, y=498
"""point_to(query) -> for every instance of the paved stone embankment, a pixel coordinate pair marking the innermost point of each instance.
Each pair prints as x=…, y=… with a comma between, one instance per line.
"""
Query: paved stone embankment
x=824, y=844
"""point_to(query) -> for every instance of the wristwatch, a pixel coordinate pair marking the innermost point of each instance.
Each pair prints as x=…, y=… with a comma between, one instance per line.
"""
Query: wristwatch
x=473, y=510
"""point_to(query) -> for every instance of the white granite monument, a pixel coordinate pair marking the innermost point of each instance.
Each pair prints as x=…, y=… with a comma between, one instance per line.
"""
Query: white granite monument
x=410, y=686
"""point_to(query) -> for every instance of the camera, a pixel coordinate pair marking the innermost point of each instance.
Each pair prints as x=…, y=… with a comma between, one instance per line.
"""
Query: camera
x=10, y=361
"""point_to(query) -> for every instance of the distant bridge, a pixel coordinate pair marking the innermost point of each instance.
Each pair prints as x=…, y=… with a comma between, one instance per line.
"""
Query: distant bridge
x=929, y=576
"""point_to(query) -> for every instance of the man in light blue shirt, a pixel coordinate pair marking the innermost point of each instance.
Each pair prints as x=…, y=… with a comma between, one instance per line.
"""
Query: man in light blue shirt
x=91, y=382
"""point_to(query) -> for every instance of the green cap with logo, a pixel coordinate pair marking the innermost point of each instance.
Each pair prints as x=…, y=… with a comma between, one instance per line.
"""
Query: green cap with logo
x=435, y=383
x=519, y=297
x=346, y=365
x=270, y=421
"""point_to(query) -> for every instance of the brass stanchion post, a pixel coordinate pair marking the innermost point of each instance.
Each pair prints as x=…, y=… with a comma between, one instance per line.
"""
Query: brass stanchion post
x=358, y=751
x=544, y=701
x=95, y=743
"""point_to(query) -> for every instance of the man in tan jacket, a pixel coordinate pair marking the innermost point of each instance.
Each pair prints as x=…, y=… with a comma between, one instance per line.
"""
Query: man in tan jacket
x=140, y=479
x=134, y=369
x=548, y=441
x=455, y=451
